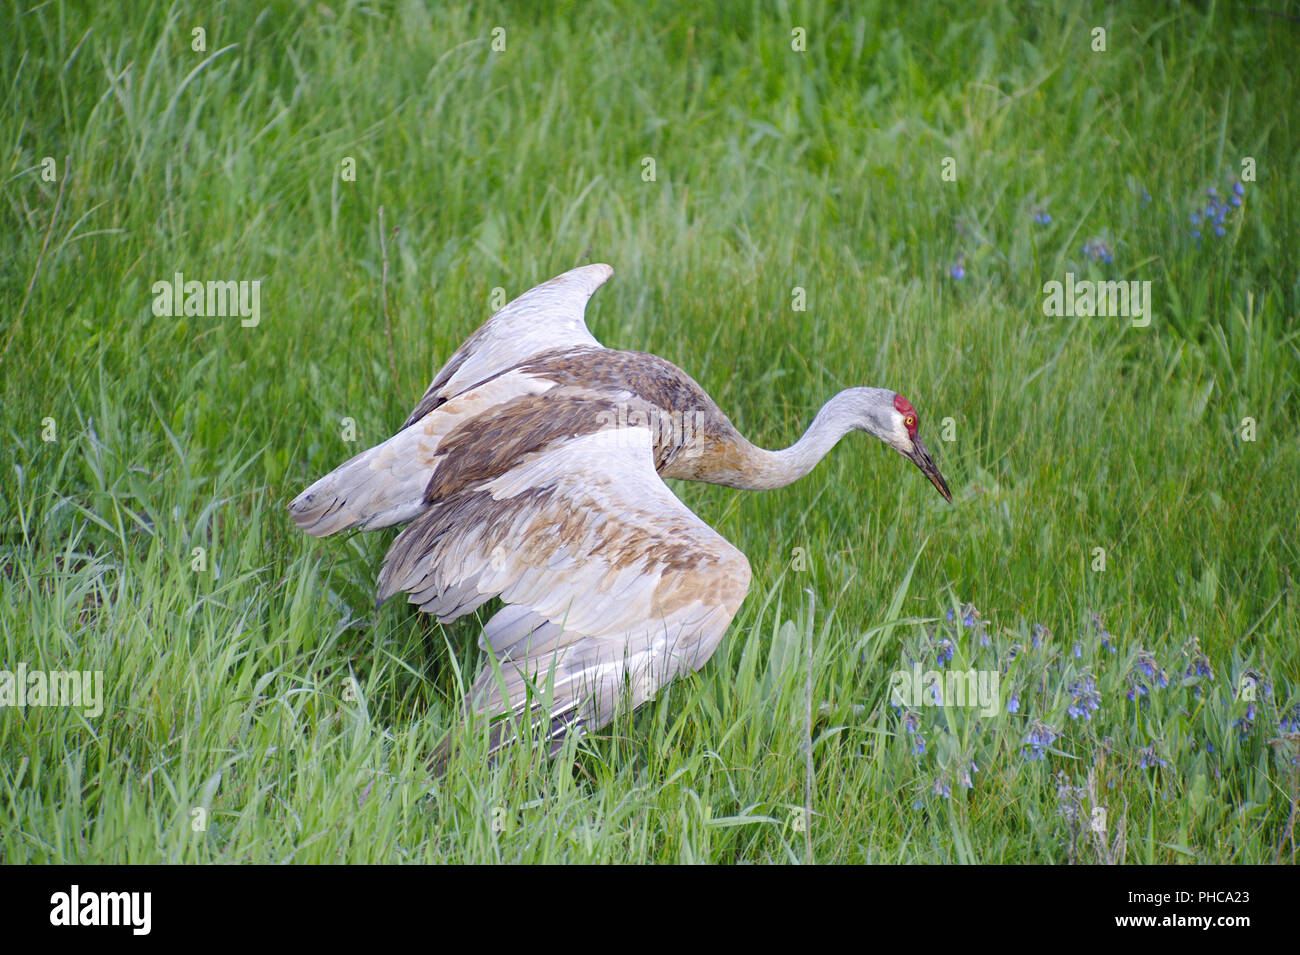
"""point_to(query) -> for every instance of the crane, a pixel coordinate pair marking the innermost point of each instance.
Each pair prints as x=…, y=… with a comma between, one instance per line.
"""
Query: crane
x=532, y=470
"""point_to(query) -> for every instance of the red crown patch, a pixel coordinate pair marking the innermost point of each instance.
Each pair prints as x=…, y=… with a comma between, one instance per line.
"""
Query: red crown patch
x=905, y=408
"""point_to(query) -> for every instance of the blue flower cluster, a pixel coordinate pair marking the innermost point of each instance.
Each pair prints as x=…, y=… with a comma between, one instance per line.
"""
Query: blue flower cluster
x=1050, y=689
x=968, y=616
x=944, y=651
x=1038, y=635
x=1145, y=675
x=1102, y=633
x=970, y=619
x=1084, y=698
x=912, y=723
x=1149, y=758
x=1250, y=684
x=1098, y=250
x=1246, y=722
x=1039, y=737
x=1288, y=726
x=1215, y=212
x=1200, y=666
x=1290, y=721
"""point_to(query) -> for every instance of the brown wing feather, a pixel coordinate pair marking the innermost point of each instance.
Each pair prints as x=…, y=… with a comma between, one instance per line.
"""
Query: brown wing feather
x=610, y=581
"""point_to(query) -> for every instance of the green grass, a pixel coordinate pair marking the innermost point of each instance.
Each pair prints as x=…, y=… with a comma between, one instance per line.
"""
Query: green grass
x=265, y=691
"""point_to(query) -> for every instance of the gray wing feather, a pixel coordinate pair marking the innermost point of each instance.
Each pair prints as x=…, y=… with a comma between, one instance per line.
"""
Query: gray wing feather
x=549, y=316
x=645, y=591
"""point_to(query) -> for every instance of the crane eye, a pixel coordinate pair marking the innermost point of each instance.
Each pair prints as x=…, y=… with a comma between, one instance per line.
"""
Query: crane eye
x=910, y=421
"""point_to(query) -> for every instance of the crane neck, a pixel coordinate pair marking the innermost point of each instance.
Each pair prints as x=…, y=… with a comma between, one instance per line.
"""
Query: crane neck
x=757, y=469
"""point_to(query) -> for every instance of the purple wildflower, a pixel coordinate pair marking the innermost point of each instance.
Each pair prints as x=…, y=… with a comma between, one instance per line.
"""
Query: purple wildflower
x=1102, y=632
x=1144, y=663
x=912, y=724
x=1038, y=633
x=1246, y=723
x=1097, y=250
x=1149, y=758
x=1290, y=721
x=1084, y=698
x=1199, y=666
x=1039, y=737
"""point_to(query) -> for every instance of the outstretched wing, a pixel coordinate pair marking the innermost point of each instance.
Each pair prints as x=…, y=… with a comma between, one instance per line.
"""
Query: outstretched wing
x=386, y=484
x=611, y=583
x=544, y=318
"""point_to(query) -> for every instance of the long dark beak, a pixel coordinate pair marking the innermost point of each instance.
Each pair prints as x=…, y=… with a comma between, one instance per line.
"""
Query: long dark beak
x=920, y=456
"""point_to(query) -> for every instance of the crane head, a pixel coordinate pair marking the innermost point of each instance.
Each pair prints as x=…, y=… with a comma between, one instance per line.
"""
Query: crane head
x=901, y=433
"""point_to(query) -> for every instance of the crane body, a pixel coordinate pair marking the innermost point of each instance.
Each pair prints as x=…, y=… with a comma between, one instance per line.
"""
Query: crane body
x=532, y=470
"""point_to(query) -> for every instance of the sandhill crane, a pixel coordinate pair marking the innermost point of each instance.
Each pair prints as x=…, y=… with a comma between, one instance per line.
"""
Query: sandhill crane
x=531, y=470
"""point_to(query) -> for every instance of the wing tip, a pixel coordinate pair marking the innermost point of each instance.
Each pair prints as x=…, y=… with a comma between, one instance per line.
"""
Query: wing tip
x=592, y=276
x=307, y=513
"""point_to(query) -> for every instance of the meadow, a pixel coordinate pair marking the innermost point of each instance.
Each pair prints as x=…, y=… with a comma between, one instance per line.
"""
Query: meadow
x=795, y=198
